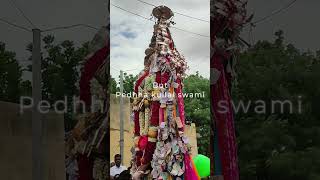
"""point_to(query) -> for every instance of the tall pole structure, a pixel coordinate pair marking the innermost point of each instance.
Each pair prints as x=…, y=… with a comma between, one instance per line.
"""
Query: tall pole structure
x=36, y=116
x=121, y=118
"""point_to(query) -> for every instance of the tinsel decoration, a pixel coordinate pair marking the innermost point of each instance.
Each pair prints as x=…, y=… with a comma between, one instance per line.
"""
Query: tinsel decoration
x=86, y=142
x=160, y=112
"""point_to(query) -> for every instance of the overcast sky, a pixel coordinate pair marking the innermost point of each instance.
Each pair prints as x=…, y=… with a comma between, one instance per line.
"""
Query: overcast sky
x=300, y=23
x=50, y=13
x=131, y=35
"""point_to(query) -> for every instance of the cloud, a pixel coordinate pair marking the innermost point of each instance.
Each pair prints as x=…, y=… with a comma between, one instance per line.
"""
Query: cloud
x=132, y=34
x=128, y=34
x=113, y=44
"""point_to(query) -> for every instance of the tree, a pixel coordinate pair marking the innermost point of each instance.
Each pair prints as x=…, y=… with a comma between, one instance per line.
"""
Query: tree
x=128, y=82
x=198, y=109
x=12, y=85
x=113, y=85
x=61, y=65
x=278, y=145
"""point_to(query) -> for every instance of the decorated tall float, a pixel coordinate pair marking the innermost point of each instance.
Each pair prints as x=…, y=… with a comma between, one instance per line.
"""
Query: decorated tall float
x=227, y=20
x=86, y=144
x=162, y=150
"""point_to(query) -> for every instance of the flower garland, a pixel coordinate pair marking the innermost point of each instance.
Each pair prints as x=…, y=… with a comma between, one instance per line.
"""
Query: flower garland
x=159, y=115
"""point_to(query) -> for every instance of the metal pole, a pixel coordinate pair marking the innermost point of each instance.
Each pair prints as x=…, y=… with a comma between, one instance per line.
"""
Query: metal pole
x=121, y=118
x=36, y=116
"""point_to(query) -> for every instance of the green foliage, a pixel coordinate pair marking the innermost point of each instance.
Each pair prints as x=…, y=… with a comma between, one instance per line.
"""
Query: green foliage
x=198, y=109
x=128, y=82
x=113, y=85
x=61, y=64
x=278, y=145
x=12, y=85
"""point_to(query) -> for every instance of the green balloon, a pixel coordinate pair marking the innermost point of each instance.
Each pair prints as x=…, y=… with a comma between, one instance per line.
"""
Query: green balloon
x=202, y=164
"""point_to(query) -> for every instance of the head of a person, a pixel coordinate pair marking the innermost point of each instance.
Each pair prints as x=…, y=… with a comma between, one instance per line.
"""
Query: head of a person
x=117, y=160
x=124, y=175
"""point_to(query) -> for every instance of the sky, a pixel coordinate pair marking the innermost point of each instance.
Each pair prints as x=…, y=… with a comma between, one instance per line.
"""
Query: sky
x=131, y=35
x=300, y=22
x=47, y=14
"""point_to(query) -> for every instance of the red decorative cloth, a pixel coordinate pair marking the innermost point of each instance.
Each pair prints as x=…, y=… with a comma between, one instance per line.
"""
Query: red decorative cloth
x=139, y=155
x=85, y=166
x=155, y=107
x=89, y=70
x=224, y=121
x=227, y=21
x=180, y=102
x=92, y=65
x=136, y=113
x=143, y=141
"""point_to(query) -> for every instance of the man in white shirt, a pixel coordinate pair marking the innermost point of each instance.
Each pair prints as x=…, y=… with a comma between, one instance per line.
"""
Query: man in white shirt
x=117, y=169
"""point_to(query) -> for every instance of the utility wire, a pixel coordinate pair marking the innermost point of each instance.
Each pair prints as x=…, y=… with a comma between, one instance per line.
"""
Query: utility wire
x=128, y=70
x=69, y=27
x=47, y=30
x=177, y=12
x=147, y=3
x=253, y=24
x=192, y=17
x=22, y=13
x=190, y=32
x=15, y=25
x=154, y=21
x=275, y=12
x=115, y=68
x=132, y=12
